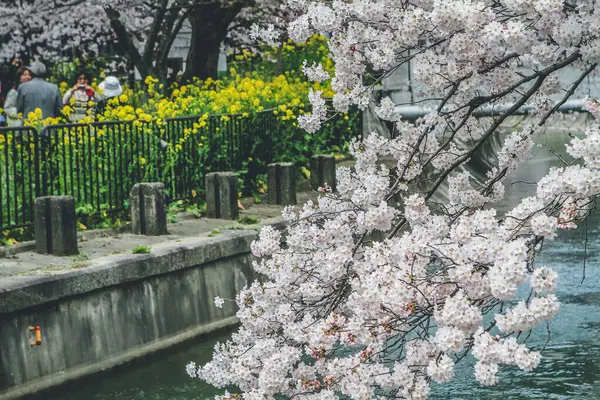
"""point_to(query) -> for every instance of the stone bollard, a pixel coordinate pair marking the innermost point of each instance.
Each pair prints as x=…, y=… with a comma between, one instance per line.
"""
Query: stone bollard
x=148, y=209
x=222, y=195
x=55, y=225
x=322, y=171
x=281, y=184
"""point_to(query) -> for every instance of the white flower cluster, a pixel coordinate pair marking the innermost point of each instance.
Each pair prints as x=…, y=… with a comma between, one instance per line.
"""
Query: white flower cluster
x=587, y=148
x=315, y=73
x=461, y=192
x=387, y=110
x=380, y=285
x=441, y=370
x=577, y=181
x=525, y=316
x=268, y=243
x=269, y=34
x=219, y=302
x=40, y=27
x=459, y=313
x=517, y=146
x=311, y=122
x=326, y=287
x=450, y=269
x=544, y=280
x=593, y=106
x=492, y=351
x=570, y=212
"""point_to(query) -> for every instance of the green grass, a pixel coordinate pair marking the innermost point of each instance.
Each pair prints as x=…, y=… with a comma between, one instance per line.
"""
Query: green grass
x=247, y=220
x=214, y=233
x=240, y=227
x=234, y=227
x=141, y=249
x=81, y=257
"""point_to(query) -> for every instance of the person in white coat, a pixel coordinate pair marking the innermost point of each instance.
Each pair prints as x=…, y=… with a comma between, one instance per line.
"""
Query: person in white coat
x=81, y=97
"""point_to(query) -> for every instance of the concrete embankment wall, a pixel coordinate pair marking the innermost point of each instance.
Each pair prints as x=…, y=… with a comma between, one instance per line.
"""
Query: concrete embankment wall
x=117, y=309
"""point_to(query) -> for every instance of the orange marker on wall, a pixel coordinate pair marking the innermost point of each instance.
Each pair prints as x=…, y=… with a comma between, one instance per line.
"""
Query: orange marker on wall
x=38, y=335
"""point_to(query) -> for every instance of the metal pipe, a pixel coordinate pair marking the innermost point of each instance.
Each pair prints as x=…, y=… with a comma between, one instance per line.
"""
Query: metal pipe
x=412, y=113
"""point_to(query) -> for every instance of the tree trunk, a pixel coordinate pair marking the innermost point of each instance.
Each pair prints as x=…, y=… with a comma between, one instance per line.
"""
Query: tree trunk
x=209, y=28
x=147, y=63
x=127, y=44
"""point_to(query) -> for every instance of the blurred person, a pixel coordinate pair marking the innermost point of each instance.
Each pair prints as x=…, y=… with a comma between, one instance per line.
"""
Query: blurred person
x=109, y=88
x=37, y=93
x=81, y=97
x=10, y=105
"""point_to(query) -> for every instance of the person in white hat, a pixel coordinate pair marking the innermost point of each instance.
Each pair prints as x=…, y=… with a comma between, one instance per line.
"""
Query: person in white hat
x=109, y=88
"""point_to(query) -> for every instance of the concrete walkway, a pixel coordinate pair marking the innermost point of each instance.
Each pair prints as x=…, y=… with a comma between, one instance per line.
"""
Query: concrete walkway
x=94, y=245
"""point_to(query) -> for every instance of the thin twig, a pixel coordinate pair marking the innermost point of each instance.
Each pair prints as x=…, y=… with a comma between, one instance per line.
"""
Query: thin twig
x=585, y=246
x=558, y=156
x=568, y=94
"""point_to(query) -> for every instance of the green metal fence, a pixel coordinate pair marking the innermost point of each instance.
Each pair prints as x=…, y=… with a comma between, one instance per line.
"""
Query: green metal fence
x=98, y=163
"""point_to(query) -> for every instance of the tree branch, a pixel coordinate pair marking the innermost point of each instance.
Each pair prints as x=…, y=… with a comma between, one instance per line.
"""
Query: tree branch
x=125, y=40
x=154, y=32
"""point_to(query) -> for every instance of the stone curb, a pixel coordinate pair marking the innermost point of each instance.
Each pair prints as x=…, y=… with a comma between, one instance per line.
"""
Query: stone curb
x=22, y=292
x=7, y=251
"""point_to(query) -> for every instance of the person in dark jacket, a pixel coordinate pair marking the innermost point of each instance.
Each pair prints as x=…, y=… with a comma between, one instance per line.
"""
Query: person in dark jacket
x=38, y=93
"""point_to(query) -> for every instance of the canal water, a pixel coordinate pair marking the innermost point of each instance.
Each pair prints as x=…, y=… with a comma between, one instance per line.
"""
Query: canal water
x=570, y=367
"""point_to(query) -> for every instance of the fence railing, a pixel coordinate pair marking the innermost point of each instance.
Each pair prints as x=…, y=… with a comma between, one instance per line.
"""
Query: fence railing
x=19, y=175
x=220, y=143
x=95, y=163
x=98, y=163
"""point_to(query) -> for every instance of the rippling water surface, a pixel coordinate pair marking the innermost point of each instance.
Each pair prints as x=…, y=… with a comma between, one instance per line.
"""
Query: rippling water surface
x=570, y=367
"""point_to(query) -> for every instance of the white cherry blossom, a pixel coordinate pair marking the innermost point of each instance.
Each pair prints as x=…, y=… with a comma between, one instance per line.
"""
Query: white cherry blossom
x=376, y=288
